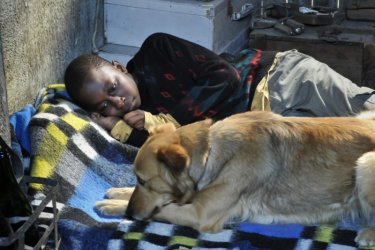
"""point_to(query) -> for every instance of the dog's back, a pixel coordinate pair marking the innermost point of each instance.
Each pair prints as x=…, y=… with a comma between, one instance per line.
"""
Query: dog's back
x=303, y=166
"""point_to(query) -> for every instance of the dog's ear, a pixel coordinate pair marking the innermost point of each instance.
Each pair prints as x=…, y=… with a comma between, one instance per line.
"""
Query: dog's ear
x=175, y=157
x=167, y=127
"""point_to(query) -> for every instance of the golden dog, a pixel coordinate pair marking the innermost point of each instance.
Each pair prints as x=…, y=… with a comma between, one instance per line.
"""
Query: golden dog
x=255, y=166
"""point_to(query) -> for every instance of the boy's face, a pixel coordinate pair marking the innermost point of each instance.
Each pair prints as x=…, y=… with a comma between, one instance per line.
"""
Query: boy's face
x=110, y=91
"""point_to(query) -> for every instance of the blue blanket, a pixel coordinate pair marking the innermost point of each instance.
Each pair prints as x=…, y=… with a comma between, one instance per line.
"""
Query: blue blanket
x=86, y=161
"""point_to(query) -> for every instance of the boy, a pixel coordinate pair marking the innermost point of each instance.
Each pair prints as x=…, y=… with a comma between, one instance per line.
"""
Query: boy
x=174, y=80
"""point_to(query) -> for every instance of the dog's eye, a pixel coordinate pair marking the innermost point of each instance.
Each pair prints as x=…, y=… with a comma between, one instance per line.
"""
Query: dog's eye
x=140, y=181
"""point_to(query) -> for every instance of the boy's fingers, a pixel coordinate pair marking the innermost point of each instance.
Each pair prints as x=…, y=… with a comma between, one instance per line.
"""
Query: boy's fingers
x=135, y=120
x=139, y=125
x=132, y=114
x=132, y=118
x=132, y=122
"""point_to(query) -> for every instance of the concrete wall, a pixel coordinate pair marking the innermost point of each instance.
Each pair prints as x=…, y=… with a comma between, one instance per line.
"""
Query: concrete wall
x=39, y=39
x=4, y=124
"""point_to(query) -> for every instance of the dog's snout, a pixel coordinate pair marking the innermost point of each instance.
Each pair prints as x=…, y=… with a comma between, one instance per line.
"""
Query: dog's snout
x=129, y=213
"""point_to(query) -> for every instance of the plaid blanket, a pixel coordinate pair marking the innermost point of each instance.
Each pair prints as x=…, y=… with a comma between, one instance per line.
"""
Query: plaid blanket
x=86, y=161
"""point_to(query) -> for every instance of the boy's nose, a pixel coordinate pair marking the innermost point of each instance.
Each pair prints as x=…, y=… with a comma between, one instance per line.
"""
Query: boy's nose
x=119, y=102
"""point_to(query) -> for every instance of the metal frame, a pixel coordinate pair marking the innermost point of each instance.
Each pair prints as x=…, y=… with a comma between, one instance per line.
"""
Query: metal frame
x=19, y=235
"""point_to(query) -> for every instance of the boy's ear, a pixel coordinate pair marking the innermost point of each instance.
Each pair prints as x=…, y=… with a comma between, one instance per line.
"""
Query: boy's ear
x=119, y=66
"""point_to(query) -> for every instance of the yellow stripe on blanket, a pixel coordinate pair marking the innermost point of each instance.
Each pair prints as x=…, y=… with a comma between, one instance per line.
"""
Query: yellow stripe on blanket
x=51, y=148
x=324, y=234
x=41, y=168
x=57, y=134
x=182, y=240
x=133, y=236
x=43, y=107
x=57, y=86
x=76, y=122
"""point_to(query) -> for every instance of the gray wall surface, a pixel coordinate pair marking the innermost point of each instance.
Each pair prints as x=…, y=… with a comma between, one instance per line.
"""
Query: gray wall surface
x=39, y=39
x=4, y=124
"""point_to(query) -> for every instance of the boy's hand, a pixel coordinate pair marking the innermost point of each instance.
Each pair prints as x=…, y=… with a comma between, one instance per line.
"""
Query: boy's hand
x=107, y=122
x=135, y=119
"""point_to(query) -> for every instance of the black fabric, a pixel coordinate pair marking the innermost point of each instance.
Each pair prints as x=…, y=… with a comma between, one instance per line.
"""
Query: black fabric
x=177, y=77
x=137, y=137
x=14, y=204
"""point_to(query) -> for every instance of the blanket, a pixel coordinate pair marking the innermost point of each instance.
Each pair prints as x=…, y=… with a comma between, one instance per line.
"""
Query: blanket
x=68, y=147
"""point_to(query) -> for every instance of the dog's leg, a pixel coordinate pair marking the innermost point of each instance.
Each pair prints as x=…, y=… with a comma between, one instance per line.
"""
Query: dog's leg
x=206, y=213
x=365, y=180
x=120, y=193
x=112, y=207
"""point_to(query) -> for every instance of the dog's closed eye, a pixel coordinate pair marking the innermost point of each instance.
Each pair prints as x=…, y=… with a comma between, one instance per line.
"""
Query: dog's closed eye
x=140, y=181
x=155, y=211
x=158, y=208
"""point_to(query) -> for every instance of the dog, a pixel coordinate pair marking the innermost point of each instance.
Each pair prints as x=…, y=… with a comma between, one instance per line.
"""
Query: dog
x=254, y=166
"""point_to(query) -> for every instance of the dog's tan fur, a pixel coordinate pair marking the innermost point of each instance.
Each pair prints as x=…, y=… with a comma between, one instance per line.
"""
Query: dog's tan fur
x=257, y=166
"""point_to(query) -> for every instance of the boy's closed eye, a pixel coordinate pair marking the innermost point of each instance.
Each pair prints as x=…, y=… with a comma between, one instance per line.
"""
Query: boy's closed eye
x=114, y=86
x=103, y=107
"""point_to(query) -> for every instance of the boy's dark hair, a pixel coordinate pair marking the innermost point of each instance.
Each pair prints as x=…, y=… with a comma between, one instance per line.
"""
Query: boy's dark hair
x=77, y=72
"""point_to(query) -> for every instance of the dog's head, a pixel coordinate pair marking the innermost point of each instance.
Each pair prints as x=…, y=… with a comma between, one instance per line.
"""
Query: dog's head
x=160, y=167
x=163, y=167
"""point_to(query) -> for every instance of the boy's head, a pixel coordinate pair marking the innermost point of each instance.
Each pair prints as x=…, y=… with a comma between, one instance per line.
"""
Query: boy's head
x=77, y=73
x=100, y=86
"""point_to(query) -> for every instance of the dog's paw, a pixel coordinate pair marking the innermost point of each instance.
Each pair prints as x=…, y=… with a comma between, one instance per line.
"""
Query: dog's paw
x=120, y=193
x=366, y=237
x=112, y=207
x=218, y=227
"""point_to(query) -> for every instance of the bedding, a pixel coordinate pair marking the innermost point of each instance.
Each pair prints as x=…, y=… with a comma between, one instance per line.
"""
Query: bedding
x=68, y=147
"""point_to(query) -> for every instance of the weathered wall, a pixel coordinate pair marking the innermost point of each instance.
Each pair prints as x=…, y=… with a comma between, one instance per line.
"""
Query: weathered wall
x=4, y=124
x=39, y=39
